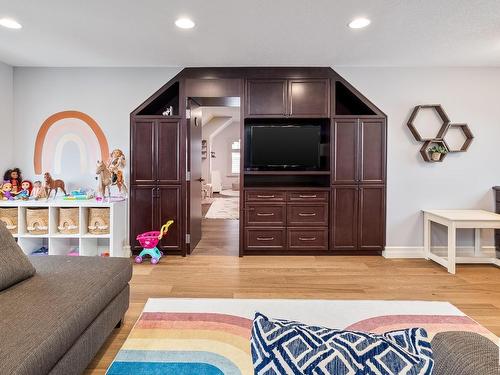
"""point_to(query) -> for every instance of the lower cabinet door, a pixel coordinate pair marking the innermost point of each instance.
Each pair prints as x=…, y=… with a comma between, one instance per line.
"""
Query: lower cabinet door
x=142, y=213
x=307, y=238
x=344, y=218
x=265, y=238
x=169, y=203
x=371, y=217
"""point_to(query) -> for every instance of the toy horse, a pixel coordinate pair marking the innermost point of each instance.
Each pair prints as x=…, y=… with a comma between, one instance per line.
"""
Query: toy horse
x=104, y=178
x=51, y=184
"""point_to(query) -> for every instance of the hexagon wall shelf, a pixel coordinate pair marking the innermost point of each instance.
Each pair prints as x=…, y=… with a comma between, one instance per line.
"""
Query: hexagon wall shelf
x=426, y=155
x=467, y=135
x=445, y=121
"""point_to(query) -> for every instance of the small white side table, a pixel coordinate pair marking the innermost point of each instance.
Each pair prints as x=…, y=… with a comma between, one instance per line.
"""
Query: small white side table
x=457, y=219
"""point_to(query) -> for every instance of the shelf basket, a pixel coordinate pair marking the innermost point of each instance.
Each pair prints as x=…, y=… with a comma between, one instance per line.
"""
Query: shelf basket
x=69, y=221
x=98, y=220
x=9, y=217
x=37, y=220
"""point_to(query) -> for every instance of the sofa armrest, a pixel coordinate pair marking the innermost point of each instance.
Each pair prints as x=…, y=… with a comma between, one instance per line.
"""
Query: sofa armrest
x=464, y=353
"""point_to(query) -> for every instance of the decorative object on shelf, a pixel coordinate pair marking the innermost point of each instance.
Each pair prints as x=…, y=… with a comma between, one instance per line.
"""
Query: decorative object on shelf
x=51, y=184
x=149, y=240
x=104, y=179
x=44, y=250
x=98, y=220
x=69, y=221
x=169, y=111
x=38, y=191
x=37, y=220
x=74, y=251
x=435, y=149
x=80, y=195
x=204, y=149
x=212, y=154
x=115, y=164
x=7, y=191
x=9, y=217
x=14, y=176
x=25, y=193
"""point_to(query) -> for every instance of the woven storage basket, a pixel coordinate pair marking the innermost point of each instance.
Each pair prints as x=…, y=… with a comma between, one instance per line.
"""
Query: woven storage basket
x=99, y=220
x=9, y=218
x=69, y=221
x=37, y=220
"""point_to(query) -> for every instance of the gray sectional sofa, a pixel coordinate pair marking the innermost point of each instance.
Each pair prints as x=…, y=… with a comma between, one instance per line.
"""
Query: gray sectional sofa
x=57, y=311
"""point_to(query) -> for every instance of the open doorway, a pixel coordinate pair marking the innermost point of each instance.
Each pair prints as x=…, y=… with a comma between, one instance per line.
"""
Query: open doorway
x=214, y=163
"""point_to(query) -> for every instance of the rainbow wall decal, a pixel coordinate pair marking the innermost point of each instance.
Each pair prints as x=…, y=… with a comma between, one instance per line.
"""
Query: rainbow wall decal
x=70, y=137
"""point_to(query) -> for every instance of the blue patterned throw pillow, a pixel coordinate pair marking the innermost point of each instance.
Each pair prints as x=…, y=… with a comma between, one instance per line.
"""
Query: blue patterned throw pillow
x=282, y=347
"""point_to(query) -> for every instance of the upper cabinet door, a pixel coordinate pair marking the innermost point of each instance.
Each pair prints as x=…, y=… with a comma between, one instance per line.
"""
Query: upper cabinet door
x=168, y=152
x=309, y=97
x=143, y=148
x=266, y=97
x=345, y=151
x=373, y=151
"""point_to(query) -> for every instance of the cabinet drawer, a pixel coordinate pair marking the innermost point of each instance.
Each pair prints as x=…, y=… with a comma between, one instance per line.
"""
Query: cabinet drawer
x=307, y=214
x=308, y=239
x=264, y=238
x=308, y=196
x=265, y=214
x=264, y=196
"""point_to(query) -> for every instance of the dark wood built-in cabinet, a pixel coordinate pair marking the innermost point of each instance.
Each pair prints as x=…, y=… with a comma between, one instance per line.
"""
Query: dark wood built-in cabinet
x=337, y=208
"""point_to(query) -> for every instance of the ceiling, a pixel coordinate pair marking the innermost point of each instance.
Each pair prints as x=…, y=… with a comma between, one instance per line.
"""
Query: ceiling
x=126, y=33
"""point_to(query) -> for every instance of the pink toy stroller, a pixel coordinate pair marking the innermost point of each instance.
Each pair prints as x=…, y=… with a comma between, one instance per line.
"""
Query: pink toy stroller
x=149, y=240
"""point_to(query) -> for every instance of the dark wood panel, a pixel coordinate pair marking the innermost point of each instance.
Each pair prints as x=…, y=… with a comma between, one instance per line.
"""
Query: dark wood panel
x=308, y=196
x=344, y=218
x=264, y=196
x=168, y=154
x=143, y=146
x=213, y=88
x=169, y=203
x=266, y=98
x=195, y=183
x=257, y=214
x=308, y=214
x=373, y=150
x=372, y=218
x=307, y=238
x=265, y=238
x=142, y=213
x=309, y=97
x=345, y=151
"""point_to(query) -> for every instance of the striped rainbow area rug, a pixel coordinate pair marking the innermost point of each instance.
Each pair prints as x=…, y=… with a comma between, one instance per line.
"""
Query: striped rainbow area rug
x=212, y=336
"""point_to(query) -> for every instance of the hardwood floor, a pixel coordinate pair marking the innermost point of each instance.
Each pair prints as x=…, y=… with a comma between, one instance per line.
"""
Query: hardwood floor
x=215, y=271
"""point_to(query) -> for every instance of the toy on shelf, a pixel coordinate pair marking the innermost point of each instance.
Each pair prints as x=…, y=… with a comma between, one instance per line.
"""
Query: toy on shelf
x=41, y=251
x=38, y=191
x=104, y=179
x=25, y=193
x=80, y=195
x=7, y=194
x=149, y=240
x=14, y=177
x=51, y=184
x=74, y=251
x=115, y=164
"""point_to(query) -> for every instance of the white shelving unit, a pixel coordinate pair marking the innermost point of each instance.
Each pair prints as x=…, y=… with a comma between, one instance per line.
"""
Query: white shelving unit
x=60, y=244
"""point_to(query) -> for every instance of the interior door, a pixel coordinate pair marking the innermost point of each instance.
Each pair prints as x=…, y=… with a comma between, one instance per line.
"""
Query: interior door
x=195, y=180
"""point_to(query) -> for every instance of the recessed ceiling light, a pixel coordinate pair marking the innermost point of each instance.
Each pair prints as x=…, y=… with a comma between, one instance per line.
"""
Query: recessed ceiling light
x=359, y=23
x=184, y=23
x=10, y=23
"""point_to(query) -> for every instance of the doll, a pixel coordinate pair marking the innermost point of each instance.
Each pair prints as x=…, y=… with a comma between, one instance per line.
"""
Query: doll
x=7, y=191
x=115, y=164
x=25, y=192
x=38, y=190
x=14, y=177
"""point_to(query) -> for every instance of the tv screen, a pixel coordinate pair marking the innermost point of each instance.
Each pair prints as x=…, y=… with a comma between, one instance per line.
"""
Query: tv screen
x=285, y=147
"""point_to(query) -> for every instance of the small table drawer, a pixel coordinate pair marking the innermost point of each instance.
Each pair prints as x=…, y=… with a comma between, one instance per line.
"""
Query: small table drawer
x=264, y=196
x=265, y=238
x=307, y=215
x=308, y=239
x=308, y=196
x=265, y=214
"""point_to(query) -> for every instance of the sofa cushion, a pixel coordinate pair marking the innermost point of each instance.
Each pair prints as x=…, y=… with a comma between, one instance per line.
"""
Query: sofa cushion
x=289, y=347
x=41, y=317
x=14, y=264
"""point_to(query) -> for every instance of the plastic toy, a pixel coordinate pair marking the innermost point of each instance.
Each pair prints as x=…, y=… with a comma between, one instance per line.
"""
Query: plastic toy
x=41, y=251
x=26, y=187
x=38, y=191
x=115, y=165
x=149, y=240
x=51, y=184
x=15, y=178
x=7, y=191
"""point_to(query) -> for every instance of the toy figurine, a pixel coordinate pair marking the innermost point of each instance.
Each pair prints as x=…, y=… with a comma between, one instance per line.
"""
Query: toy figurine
x=7, y=191
x=115, y=164
x=14, y=177
x=38, y=191
x=25, y=193
x=51, y=184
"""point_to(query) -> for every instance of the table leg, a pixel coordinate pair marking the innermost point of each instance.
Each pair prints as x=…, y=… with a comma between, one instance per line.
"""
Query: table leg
x=452, y=247
x=477, y=242
x=427, y=236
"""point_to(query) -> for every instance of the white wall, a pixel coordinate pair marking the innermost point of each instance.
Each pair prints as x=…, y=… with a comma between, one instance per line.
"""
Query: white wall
x=221, y=144
x=6, y=117
x=462, y=181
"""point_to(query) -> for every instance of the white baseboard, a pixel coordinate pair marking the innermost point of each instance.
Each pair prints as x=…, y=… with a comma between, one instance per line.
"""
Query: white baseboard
x=413, y=252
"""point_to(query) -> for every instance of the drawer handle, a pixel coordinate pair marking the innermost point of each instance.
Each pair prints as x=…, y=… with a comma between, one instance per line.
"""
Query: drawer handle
x=265, y=196
x=308, y=196
x=307, y=238
x=265, y=238
x=265, y=214
x=306, y=214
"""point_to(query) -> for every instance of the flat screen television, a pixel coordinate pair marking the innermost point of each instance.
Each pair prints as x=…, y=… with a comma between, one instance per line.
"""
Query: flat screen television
x=283, y=147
